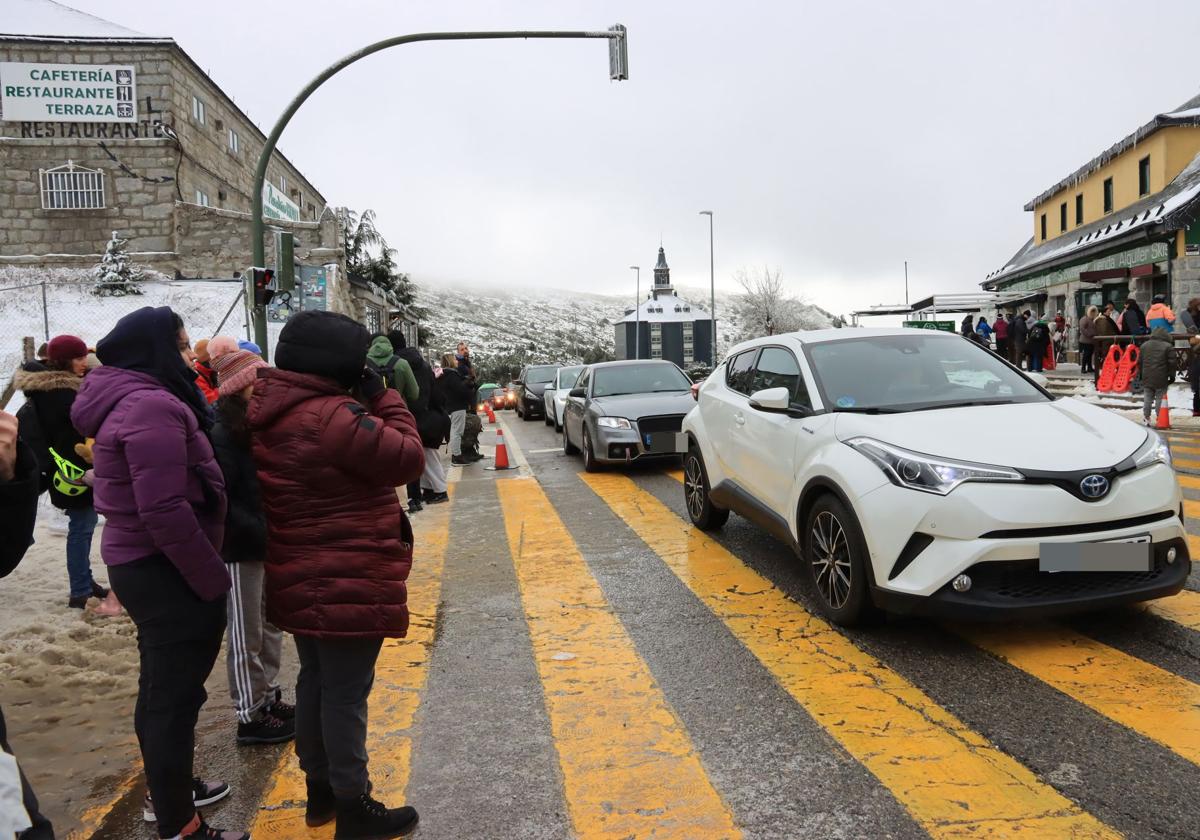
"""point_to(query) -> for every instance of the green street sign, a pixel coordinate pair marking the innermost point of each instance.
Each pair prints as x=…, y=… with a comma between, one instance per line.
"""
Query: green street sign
x=944, y=326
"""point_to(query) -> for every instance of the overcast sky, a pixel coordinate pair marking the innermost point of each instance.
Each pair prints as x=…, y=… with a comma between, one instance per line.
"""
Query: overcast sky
x=832, y=140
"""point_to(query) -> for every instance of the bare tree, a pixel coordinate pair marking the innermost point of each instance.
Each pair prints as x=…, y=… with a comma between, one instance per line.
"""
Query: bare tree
x=765, y=307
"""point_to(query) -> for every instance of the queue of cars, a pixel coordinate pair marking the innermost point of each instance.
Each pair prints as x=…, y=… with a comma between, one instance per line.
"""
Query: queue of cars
x=910, y=471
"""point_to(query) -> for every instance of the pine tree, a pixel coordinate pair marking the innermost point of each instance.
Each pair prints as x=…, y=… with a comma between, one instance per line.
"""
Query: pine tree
x=115, y=275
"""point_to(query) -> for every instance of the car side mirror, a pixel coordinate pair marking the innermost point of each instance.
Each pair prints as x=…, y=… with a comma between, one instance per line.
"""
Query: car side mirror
x=771, y=399
x=577, y=392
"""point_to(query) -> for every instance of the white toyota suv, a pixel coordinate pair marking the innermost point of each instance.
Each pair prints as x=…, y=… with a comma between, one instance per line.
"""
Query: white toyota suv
x=916, y=471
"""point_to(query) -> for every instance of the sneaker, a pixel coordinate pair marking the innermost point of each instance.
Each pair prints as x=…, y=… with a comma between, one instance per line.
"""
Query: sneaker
x=459, y=460
x=475, y=456
x=321, y=806
x=203, y=793
x=200, y=830
x=78, y=602
x=266, y=729
x=364, y=818
x=280, y=709
x=437, y=498
x=415, y=507
x=99, y=591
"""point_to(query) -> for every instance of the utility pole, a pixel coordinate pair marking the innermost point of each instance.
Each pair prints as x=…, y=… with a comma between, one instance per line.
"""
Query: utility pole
x=906, y=282
x=618, y=69
x=712, y=282
x=637, y=314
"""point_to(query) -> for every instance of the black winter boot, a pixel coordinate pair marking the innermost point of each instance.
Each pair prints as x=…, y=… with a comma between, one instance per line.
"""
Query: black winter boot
x=322, y=806
x=365, y=818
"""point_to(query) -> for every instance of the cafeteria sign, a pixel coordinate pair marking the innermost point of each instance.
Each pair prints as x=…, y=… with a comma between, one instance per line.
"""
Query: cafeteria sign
x=944, y=326
x=67, y=92
x=276, y=205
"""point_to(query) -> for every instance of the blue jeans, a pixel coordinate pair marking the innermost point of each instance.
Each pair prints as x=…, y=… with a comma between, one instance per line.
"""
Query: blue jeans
x=79, y=549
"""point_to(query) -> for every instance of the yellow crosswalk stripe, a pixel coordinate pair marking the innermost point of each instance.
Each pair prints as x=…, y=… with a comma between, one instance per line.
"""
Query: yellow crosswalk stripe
x=952, y=780
x=1149, y=700
x=399, y=679
x=1191, y=482
x=628, y=765
x=1184, y=463
x=1189, y=450
x=1183, y=609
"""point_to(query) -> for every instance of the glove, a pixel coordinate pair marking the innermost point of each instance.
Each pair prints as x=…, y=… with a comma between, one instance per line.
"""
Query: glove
x=84, y=450
x=371, y=384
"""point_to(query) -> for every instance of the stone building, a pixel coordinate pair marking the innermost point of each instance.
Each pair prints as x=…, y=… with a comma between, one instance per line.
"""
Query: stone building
x=1125, y=224
x=103, y=128
x=665, y=326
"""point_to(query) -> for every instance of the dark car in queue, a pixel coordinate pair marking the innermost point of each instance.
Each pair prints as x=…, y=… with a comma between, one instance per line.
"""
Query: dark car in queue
x=621, y=412
x=531, y=385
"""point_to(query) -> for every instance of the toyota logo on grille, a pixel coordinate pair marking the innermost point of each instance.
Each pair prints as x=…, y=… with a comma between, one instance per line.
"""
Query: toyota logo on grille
x=1093, y=486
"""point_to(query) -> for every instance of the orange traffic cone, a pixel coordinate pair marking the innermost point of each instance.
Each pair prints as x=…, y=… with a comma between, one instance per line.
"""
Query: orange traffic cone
x=501, y=453
x=1164, y=415
x=490, y=413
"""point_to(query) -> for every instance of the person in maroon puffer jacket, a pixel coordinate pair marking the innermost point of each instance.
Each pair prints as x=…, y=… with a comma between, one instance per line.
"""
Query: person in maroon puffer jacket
x=339, y=547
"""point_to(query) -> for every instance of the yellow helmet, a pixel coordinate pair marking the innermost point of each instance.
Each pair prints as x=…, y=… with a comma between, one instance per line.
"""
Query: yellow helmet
x=68, y=480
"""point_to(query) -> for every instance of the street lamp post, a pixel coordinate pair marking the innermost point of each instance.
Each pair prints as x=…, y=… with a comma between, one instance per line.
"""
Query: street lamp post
x=618, y=69
x=637, y=313
x=712, y=286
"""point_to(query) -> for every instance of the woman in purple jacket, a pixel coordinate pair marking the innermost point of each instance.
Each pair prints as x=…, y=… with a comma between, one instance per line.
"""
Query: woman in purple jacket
x=161, y=492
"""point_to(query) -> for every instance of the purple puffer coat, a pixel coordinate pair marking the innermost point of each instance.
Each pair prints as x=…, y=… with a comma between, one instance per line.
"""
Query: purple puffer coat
x=156, y=480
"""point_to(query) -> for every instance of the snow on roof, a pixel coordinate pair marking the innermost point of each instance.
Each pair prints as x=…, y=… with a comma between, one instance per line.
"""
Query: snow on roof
x=1186, y=114
x=1152, y=210
x=667, y=308
x=48, y=19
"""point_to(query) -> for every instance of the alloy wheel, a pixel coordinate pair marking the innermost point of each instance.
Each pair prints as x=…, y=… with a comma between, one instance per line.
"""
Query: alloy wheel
x=693, y=487
x=830, y=558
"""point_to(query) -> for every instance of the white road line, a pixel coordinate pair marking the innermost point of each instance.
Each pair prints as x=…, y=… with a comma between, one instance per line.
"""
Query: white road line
x=544, y=451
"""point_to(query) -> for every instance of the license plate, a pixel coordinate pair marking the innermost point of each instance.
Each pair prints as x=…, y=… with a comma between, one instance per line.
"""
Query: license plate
x=1128, y=554
x=659, y=442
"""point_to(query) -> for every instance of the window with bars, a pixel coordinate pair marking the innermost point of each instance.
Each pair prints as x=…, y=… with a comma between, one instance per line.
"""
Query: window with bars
x=71, y=187
x=656, y=341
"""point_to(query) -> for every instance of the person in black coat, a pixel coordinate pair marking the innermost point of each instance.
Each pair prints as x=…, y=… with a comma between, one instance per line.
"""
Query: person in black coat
x=253, y=645
x=455, y=393
x=1133, y=320
x=20, y=485
x=432, y=423
x=1019, y=331
x=1039, y=340
x=50, y=391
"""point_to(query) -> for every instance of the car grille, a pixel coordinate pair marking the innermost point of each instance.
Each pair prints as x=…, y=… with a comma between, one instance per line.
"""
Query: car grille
x=660, y=423
x=1020, y=582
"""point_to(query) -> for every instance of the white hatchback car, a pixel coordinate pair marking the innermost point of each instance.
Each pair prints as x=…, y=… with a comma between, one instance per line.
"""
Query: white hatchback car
x=916, y=471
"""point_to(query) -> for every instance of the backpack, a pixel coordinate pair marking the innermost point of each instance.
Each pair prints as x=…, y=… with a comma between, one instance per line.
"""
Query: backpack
x=29, y=429
x=388, y=372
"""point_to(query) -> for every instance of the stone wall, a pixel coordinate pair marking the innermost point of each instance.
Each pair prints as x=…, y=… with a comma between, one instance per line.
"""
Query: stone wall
x=138, y=203
x=1185, y=280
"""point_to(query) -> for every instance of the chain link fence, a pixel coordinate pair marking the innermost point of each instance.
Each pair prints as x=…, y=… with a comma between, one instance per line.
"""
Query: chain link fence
x=33, y=310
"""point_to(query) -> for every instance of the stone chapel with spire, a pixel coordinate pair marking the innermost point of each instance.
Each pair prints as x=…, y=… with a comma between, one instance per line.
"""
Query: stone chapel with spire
x=665, y=326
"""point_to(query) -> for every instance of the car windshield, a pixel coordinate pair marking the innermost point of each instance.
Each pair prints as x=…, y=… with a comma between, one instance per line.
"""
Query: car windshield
x=638, y=379
x=538, y=375
x=568, y=376
x=894, y=373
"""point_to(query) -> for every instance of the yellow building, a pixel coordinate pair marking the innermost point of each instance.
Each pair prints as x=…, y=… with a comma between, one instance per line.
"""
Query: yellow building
x=1125, y=224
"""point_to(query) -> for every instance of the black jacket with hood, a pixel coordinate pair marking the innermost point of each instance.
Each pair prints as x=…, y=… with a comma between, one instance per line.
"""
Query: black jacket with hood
x=51, y=393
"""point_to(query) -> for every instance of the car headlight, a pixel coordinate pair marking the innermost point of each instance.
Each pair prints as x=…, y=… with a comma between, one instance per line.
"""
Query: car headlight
x=613, y=422
x=1153, y=451
x=925, y=472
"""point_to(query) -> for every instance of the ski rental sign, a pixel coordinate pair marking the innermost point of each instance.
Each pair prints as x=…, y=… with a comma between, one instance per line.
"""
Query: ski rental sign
x=40, y=92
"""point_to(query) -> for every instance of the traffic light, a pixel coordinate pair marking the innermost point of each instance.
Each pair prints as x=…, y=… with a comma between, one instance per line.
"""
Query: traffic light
x=264, y=285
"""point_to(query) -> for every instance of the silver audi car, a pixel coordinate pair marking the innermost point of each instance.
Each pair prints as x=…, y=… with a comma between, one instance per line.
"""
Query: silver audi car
x=620, y=412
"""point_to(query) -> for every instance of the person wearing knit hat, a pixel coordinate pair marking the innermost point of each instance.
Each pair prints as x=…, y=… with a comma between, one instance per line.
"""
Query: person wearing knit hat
x=253, y=645
x=50, y=390
x=219, y=345
x=206, y=378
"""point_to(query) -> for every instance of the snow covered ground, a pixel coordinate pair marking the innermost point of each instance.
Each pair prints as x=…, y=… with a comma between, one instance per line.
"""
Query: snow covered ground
x=73, y=309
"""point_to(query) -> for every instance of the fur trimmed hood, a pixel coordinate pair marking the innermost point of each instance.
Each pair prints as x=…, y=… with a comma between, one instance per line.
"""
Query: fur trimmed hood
x=31, y=381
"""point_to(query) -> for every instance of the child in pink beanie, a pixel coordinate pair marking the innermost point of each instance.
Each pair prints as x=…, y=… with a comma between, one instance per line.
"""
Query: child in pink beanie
x=220, y=345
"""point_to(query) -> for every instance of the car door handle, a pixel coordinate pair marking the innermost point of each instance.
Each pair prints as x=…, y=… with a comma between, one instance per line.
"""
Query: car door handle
x=739, y=419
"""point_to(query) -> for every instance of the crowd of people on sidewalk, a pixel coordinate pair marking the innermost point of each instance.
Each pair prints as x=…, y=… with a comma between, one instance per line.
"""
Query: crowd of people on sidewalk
x=241, y=502
x=1034, y=343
